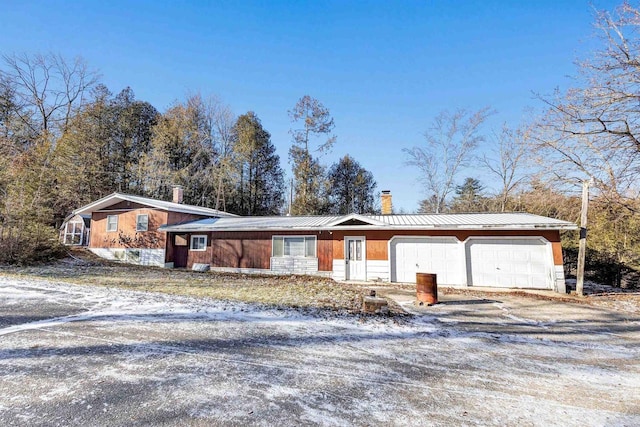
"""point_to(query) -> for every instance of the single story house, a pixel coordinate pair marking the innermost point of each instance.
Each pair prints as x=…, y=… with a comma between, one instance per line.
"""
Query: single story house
x=511, y=250
x=126, y=227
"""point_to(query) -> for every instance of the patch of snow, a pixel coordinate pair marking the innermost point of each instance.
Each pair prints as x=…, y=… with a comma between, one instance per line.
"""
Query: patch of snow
x=223, y=362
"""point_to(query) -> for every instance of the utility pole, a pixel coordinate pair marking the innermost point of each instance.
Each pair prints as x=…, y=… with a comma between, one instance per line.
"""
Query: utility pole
x=290, y=196
x=582, y=248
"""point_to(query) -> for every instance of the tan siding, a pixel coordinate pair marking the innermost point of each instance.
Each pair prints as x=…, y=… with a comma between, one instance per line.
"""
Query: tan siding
x=127, y=236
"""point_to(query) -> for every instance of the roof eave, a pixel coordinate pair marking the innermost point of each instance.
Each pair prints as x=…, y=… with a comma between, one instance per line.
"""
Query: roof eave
x=532, y=227
x=108, y=200
x=90, y=207
x=373, y=222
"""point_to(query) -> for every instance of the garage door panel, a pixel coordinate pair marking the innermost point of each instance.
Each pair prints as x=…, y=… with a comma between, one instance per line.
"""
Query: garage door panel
x=510, y=263
x=411, y=255
x=521, y=256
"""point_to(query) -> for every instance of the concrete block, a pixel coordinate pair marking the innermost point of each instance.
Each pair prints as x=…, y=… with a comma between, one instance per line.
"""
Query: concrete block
x=200, y=267
x=375, y=305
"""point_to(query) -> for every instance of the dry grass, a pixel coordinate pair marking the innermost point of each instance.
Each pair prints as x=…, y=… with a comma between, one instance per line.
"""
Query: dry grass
x=85, y=268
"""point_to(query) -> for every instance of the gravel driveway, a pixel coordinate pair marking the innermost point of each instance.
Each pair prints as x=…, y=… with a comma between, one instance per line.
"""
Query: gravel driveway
x=79, y=355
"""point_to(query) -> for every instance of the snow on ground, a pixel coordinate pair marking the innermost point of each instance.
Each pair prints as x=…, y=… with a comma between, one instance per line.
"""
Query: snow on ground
x=82, y=355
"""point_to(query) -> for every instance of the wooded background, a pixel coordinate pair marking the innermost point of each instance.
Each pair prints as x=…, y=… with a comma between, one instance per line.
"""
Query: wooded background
x=67, y=140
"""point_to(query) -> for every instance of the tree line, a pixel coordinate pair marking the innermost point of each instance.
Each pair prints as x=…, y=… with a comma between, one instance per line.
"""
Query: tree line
x=66, y=140
x=589, y=132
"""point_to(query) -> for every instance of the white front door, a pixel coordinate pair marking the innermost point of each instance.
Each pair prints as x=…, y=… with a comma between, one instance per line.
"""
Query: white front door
x=355, y=258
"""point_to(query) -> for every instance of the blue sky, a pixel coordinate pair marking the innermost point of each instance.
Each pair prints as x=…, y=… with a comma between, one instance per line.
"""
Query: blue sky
x=383, y=68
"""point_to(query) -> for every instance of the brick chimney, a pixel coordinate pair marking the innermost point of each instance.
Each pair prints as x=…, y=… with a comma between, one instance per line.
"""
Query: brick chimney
x=387, y=206
x=178, y=193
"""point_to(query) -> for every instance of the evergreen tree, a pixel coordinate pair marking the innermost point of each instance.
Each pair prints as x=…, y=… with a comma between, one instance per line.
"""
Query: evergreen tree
x=469, y=197
x=260, y=187
x=308, y=174
x=130, y=138
x=351, y=188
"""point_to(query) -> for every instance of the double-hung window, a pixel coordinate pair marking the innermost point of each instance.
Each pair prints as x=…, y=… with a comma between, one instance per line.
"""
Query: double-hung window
x=112, y=222
x=142, y=222
x=198, y=243
x=294, y=246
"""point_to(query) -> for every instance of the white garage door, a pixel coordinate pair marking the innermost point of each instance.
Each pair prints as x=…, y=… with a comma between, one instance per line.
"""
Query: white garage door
x=510, y=263
x=442, y=256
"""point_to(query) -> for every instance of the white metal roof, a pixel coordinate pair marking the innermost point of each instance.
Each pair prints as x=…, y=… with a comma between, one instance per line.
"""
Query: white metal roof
x=499, y=221
x=114, y=198
x=472, y=220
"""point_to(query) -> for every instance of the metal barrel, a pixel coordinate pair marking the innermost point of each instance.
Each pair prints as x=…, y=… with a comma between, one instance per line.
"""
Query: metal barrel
x=427, y=288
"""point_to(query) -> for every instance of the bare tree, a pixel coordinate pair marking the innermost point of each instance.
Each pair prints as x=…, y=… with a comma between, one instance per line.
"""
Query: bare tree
x=192, y=146
x=450, y=142
x=593, y=130
x=47, y=88
x=507, y=161
x=221, y=121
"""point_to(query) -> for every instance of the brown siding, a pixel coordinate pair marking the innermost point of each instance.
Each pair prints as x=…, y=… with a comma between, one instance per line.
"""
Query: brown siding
x=126, y=236
x=169, y=251
x=126, y=205
x=557, y=252
x=200, y=257
x=177, y=217
x=325, y=252
x=127, y=217
x=253, y=249
x=242, y=251
x=378, y=241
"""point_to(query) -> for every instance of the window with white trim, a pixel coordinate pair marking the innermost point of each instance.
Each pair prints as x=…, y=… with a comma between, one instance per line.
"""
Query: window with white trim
x=142, y=222
x=112, y=223
x=73, y=233
x=294, y=246
x=198, y=243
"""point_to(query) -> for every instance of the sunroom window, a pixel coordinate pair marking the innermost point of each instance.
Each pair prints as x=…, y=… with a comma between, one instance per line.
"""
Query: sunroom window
x=294, y=246
x=73, y=233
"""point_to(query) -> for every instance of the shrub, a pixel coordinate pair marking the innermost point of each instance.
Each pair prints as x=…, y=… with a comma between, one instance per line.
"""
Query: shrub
x=29, y=244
